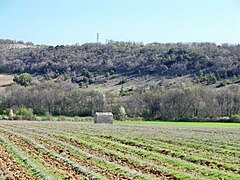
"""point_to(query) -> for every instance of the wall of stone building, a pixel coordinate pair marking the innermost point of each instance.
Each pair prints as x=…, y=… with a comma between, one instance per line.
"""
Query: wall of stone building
x=103, y=117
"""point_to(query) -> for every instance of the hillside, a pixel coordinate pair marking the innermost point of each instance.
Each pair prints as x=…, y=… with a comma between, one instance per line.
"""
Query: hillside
x=187, y=82
x=116, y=62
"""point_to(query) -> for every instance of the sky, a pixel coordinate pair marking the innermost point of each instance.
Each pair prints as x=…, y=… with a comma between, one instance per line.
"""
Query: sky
x=53, y=22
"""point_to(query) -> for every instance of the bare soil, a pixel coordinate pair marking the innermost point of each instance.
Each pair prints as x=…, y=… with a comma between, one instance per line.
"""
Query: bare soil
x=10, y=169
x=5, y=80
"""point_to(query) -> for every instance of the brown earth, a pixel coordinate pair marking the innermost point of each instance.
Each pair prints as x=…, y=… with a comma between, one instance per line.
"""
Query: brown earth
x=124, y=162
x=56, y=164
x=10, y=169
x=85, y=163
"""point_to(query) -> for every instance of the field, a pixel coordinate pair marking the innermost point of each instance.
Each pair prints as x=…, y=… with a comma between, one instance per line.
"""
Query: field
x=5, y=80
x=129, y=150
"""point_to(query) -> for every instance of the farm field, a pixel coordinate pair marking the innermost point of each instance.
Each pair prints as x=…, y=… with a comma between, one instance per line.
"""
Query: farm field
x=74, y=150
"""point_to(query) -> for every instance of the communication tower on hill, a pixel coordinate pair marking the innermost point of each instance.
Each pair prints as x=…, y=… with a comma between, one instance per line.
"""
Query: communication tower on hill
x=97, y=37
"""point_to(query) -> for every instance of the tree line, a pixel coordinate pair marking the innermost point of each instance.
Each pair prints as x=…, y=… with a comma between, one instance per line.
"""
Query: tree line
x=52, y=98
x=190, y=103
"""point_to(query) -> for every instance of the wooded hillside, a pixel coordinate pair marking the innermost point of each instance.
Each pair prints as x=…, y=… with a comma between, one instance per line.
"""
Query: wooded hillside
x=115, y=63
x=83, y=63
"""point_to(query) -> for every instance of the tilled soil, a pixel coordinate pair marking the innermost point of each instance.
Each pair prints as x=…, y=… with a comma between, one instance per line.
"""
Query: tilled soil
x=10, y=169
x=67, y=170
x=124, y=162
x=184, y=158
x=83, y=162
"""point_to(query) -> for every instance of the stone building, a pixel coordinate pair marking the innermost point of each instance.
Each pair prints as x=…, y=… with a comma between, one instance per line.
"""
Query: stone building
x=103, y=117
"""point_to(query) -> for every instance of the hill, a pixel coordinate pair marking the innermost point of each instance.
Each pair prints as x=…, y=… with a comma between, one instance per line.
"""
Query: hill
x=100, y=63
x=178, y=82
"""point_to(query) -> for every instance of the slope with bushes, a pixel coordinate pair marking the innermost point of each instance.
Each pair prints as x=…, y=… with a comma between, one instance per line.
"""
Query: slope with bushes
x=206, y=62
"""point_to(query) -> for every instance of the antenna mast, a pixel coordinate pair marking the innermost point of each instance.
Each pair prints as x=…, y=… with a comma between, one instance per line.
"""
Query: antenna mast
x=97, y=37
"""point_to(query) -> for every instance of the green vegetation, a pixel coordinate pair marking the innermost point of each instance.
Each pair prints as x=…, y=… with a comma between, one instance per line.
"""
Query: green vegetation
x=26, y=114
x=211, y=79
x=222, y=84
x=64, y=118
x=235, y=118
x=184, y=124
x=119, y=113
x=23, y=79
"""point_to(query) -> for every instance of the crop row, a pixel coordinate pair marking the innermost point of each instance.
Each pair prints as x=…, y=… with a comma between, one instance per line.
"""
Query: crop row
x=180, y=149
x=176, y=163
x=43, y=153
x=124, y=159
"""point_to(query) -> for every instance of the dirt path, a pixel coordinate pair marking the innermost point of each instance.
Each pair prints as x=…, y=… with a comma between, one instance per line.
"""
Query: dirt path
x=5, y=80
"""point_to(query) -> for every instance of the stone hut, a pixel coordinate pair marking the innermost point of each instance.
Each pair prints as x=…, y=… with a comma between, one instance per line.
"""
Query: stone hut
x=103, y=117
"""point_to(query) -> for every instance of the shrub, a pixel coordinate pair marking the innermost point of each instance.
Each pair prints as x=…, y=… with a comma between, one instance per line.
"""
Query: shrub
x=61, y=118
x=23, y=79
x=119, y=113
x=25, y=114
x=48, y=117
x=221, y=84
x=123, y=81
x=211, y=79
x=7, y=112
x=146, y=113
x=76, y=118
x=107, y=75
x=235, y=118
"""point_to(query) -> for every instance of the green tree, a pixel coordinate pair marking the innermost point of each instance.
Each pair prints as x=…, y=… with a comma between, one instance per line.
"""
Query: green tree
x=23, y=79
x=25, y=114
x=119, y=113
x=212, y=79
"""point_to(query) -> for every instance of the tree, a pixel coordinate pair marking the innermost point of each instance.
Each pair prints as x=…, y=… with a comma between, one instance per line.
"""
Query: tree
x=23, y=79
x=119, y=113
x=212, y=79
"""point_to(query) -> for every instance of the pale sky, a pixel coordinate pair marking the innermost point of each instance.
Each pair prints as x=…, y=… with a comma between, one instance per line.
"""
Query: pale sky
x=55, y=22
